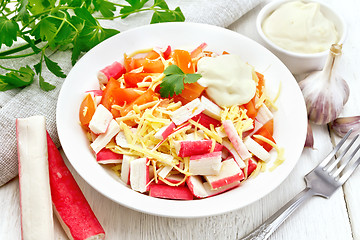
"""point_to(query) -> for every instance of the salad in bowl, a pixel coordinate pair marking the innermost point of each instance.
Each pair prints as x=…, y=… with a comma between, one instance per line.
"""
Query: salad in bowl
x=179, y=124
x=150, y=98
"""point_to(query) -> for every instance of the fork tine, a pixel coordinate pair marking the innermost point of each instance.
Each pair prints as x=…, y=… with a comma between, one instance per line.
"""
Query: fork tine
x=349, y=172
x=343, y=165
x=333, y=165
x=328, y=158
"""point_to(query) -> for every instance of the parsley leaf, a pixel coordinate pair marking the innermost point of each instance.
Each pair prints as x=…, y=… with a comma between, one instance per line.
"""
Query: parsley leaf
x=167, y=16
x=63, y=25
x=54, y=67
x=173, y=82
x=45, y=85
x=8, y=30
x=17, y=78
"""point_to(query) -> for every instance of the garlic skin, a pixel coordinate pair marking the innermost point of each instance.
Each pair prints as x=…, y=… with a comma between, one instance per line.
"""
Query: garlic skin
x=309, y=142
x=342, y=125
x=325, y=92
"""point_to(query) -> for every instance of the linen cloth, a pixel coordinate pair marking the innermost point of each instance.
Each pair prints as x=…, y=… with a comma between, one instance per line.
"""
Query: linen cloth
x=33, y=101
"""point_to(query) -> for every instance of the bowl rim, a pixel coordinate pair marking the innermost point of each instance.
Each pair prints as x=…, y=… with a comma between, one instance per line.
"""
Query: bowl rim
x=271, y=6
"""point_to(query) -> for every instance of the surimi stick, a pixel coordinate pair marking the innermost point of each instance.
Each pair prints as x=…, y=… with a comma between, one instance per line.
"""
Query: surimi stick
x=70, y=205
x=35, y=197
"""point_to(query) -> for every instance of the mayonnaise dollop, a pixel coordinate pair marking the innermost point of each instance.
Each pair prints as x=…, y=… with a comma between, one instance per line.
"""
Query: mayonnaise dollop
x=300, y=27
x=228, y=79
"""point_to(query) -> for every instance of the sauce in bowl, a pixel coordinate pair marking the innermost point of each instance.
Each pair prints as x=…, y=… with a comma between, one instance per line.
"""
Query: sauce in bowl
x=300, y=27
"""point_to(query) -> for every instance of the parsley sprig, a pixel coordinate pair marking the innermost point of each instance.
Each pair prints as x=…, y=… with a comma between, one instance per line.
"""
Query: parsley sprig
x=173, y=82
x=46, y=26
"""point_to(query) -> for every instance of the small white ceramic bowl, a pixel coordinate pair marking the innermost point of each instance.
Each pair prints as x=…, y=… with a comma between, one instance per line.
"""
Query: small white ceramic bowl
x=299, y=62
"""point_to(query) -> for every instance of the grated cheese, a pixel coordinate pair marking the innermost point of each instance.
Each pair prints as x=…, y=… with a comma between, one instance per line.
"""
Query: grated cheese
x=280, y=151
x=207, y=131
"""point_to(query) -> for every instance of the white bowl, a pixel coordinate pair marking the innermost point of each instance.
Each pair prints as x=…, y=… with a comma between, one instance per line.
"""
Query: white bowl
x=290, y=120
x=299, y=62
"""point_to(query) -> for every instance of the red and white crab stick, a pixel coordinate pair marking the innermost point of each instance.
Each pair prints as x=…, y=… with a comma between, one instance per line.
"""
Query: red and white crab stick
x=70, y=205
x=114, y=70
x=189, y=148
x=35, y=197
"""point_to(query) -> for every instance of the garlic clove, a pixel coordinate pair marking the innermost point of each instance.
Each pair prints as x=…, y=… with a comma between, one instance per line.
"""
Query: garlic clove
x=309, y=142
x=342, y=125
x=325, y=93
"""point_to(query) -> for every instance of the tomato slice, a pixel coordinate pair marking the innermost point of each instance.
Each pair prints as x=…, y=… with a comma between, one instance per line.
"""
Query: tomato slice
x=108, y=95
x=148, y=96
x=251, y=110
x=190, y=92
x=87, y=110
x=152, y=55
x=263, y=131
x=261, y=83
x=132, y=79
x=149, y=65
x=182, y=59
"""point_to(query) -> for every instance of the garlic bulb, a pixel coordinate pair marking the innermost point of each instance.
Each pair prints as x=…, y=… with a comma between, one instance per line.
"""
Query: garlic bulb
x=342, y=125
x=325, y=93
x=309, y=142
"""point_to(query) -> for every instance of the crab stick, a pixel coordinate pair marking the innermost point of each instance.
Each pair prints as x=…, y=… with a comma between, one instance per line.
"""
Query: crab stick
x=170, y=192
x=229, y=172
x=256, y=149
x=106, y=156
x=100, y=120
x=165, y=131
x=125, y=169
x=252, y=164
x=234, y=153
x=205, y=164
x=196, y=52
x=115, y=70
x=211, y=109
x=236, y=140
x=35, y=196
x=187, y=111
x=189, y=148
x=139, y=175
x=174, y=178
x=166, y=53
x=206, y=121
x=120, y=140
x=71, y=207
x=103, y=139
x=264, y=114
x=202, y=189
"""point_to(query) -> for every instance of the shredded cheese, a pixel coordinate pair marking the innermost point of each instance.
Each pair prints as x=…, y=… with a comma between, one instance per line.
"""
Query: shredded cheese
x=206, y=131
x=280, y=151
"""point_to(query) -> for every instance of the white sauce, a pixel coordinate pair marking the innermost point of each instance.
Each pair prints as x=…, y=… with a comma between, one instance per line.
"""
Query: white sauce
x=300, y=27
x=228, y=79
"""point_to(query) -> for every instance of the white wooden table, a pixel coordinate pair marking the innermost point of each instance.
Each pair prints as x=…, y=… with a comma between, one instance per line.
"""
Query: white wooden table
x=337, y=218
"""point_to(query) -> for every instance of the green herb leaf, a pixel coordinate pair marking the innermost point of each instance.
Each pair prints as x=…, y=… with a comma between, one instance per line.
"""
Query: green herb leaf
x=173, y=82
x=106, y=8
x=45, y=85
x=161, y=4
x=45, y=30
x=54, y=67
x=17, y=78
x=23, y=13
x=168, y=16
x=39, y=6
x=134, y=6
x=91, y=33
x=8, y=30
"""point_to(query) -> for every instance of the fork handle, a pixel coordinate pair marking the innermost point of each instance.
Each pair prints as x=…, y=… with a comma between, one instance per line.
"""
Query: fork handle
x=264, y=231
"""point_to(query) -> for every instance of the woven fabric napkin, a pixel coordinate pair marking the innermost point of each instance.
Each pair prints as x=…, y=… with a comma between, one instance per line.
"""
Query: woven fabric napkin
x=33, y=101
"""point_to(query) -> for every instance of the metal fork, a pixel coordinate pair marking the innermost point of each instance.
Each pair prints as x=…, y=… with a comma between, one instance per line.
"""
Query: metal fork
x=322, y=181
